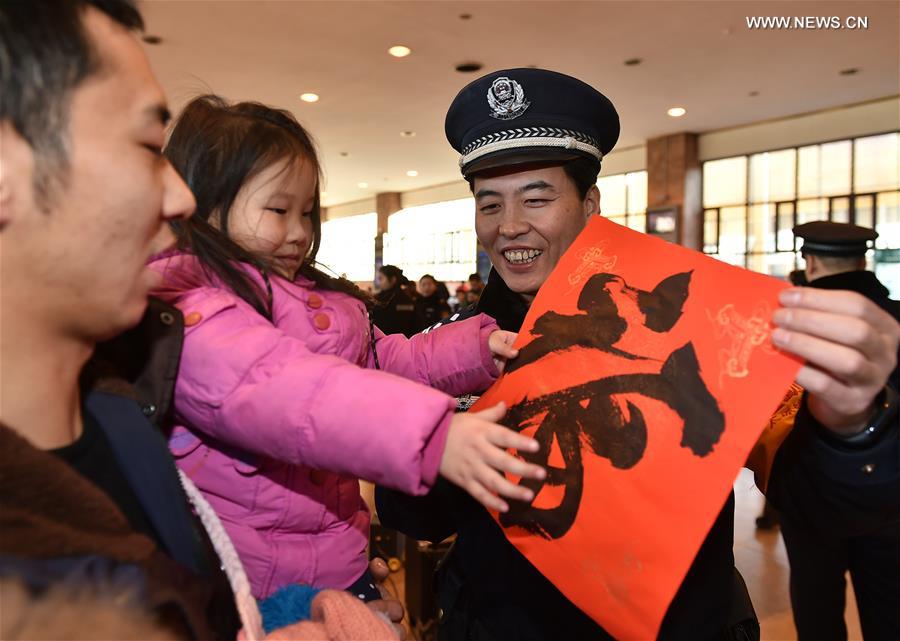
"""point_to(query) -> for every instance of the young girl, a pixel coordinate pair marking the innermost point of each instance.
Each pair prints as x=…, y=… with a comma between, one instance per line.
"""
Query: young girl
x=278, y=404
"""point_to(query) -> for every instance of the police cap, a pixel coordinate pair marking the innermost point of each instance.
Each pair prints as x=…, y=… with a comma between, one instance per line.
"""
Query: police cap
x=518, y=116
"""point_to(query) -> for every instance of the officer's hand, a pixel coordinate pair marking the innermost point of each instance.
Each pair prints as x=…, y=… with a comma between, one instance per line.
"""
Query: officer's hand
x=475, y=451
x=500, y=344
x=850, y=348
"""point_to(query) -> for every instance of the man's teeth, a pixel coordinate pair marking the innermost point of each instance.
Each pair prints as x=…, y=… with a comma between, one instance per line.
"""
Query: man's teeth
x=522, y=256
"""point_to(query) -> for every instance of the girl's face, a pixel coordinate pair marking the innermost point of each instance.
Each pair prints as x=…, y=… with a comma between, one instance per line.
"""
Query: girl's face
x=271, y=216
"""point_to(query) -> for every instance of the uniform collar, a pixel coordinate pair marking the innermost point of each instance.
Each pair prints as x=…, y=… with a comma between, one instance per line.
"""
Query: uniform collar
x=503, y=304
x=861, y=281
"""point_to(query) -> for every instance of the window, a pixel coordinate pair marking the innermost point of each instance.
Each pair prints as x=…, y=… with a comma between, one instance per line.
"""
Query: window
x=437, y=239
x=752, y=203
x=347, y=247
x=623, y=199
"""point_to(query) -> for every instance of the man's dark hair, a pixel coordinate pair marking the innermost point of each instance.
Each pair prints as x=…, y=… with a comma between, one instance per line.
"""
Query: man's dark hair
x=582, y=171
x=45, y=53
x=475, y=276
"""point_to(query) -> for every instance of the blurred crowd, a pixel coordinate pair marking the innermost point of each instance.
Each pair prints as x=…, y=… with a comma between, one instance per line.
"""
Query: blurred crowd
x=404, y=306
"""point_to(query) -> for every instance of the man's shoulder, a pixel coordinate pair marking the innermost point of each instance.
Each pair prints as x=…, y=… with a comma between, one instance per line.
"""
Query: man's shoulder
x=141, y=363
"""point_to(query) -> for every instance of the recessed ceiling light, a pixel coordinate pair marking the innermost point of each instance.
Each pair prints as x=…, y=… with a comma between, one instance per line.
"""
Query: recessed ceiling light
x=151, y=39
x=309, y=97
x=469, y=67
x=465, y=16
x=344, y=154
x=753, y=94
x=399, y=51
x=362, y=185
x=852, y=71
x=407, y=134
x=633, y=62
x=412, y=173
x=677, y=112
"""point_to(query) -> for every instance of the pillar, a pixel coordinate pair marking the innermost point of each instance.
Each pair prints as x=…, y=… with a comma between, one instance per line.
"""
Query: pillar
x=674, y=180
x=386, y=203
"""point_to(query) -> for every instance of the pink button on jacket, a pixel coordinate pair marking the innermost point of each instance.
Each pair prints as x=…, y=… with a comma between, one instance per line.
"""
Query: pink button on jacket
x=275, y=421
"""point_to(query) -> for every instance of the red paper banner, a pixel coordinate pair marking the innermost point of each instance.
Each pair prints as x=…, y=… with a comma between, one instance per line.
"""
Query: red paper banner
x=647, y=373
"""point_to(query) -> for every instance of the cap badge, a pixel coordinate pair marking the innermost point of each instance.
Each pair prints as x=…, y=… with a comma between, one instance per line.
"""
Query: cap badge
x=507, y=99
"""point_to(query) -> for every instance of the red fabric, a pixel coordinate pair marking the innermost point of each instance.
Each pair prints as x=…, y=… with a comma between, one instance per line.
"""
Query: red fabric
x=646, y=371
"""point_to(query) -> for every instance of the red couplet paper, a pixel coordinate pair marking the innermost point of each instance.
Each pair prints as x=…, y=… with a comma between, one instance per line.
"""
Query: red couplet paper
x=647, y=374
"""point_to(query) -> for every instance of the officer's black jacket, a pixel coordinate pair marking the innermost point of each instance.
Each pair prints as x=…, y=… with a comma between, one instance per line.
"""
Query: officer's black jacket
x=490, y=591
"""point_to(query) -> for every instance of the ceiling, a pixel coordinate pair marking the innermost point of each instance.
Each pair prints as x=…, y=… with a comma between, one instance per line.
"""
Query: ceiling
x=697, y=55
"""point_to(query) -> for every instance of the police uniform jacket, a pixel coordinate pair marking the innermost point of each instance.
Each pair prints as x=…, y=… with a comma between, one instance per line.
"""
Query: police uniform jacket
x=489, y=591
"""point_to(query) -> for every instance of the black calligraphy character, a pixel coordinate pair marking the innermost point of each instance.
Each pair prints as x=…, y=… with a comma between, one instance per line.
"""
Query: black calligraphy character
x=589, y=412
x=601, y=325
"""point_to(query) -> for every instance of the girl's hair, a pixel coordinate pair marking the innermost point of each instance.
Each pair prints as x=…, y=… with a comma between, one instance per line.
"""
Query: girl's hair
x=217, y=148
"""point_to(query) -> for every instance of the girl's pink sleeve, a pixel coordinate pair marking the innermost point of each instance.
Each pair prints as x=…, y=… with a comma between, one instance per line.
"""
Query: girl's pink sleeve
x=247, y=384
x=454, y=358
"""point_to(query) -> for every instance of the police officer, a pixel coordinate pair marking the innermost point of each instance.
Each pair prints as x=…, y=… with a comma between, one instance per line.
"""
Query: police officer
x=835, y=256
x=531, y=143
x=394, y=311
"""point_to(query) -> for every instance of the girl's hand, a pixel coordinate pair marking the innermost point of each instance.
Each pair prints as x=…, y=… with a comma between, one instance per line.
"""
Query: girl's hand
x=500, y=344
x=475, y=455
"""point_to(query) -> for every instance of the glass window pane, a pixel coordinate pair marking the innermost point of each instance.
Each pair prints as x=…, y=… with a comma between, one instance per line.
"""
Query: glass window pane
x=785, y=227
x=810, y=210
x=888, y=220
x=637, y=192
x=638, y=222
x=612, y=194
x=732, y=231
x=772, y=176
x=620, y=219
x=711, y=231
x=834, y=176
x=840, y=210
x=864, y=211
x=808, y=171
x=437, y=239
x=889, y=275
x=761, y=228
x=876, y=163
x=824, y=170
x=348, y=247
x=725, y=181
x=779, y=265
x=732, y=259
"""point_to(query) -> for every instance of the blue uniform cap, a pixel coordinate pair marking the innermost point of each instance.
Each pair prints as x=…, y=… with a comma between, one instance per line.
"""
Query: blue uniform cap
x=824, y=238
x=519, y=116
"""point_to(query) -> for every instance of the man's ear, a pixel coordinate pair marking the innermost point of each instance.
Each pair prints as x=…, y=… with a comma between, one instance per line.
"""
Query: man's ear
x=16, y=174
x=812, y=266
x=592, y=202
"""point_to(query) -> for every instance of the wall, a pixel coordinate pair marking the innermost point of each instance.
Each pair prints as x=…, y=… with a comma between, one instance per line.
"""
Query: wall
x=877, y=116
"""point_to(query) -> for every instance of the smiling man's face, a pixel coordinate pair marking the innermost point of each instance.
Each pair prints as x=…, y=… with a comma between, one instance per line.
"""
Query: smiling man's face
x=526, y=218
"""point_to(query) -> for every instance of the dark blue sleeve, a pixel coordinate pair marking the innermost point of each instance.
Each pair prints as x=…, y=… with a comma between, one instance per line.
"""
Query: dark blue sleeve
x=425, y=518
x=823, y=486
